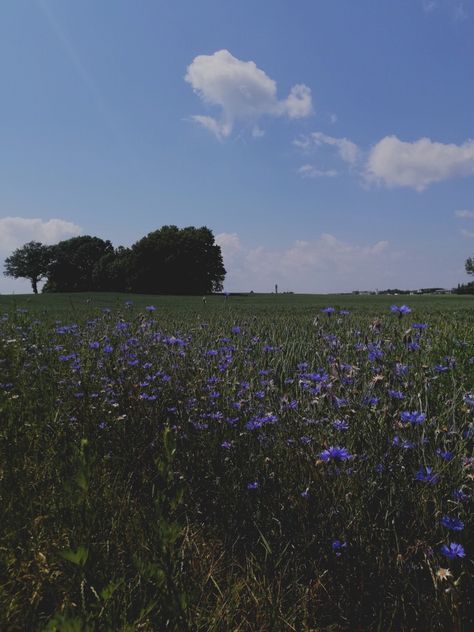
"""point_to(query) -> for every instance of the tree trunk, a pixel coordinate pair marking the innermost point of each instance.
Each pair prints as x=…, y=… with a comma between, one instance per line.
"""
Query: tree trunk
x=34, y=285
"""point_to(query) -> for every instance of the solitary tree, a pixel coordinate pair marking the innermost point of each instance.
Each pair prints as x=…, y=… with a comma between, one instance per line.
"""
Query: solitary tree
x=470, y=265
x=31, y=262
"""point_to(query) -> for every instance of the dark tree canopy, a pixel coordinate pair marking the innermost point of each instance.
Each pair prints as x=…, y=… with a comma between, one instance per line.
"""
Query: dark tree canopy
x=177, y=261
x=170, y=260
x=31, y=262
x=469, y=265
x=73, y=262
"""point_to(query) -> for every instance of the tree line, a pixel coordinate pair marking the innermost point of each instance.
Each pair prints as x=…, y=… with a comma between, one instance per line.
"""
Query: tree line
x=166, y=261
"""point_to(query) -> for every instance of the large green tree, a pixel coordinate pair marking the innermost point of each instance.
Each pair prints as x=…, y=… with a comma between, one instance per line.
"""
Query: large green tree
x=177, y=261
x=31, y=261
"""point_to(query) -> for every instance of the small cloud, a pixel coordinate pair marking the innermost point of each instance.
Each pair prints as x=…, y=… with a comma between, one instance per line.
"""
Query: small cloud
x=333, y=118
x=348, y=151
x=310, y=171
x=467, y=233
x=243, y=93
x=429, y=5
x=418, y=164
x=16, y=231
x=464, y=214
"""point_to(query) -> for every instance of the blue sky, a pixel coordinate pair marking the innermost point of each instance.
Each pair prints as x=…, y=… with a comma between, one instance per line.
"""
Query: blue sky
x=327, y=144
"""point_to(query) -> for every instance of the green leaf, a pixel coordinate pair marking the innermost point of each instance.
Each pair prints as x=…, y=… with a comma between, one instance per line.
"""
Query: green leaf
x=78, y=557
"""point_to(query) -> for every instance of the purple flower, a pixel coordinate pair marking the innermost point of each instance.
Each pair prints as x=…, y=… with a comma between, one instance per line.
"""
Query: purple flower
x=444, y=454
x=328, y=310
x=415, y=418
x=453, y=524
x=340, y=424
x=335, y=453
x=402, y=309
x=460, y=495
x=396, y=394
x=426, y=475
x=226, y=445
x=253, y=485
x=338, y=546
x=453, y=550
x=150, y=308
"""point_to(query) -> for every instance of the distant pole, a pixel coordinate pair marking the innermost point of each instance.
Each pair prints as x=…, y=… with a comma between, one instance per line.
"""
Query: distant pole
x=276, y=288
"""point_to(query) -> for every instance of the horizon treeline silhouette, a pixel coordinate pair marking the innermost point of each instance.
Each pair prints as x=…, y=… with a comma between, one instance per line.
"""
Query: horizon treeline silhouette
x=169, y=260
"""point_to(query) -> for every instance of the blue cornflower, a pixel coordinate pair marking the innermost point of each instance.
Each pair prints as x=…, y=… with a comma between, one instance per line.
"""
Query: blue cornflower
x=226, y=445
x=94, y=345
x=252, y=485
x=108, y=349
x=344, y=312
x=453, y=550
x=340, y=424
x=305, y=493
x=444, y=454
x=460, y=495
x=150, y=308
x=400, y=310
x=335, y=453
x=453, y=524
x=328, y=310
x=419, y=326
x=415, y=418
x=236, y=330
x=396, y=394
x=426, y=475
x=338, y=546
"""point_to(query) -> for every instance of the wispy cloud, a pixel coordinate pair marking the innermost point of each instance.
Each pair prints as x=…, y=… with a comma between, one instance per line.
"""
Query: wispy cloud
x=323, y=264
x=464, y=214
x=242, y=92
x=310, y=171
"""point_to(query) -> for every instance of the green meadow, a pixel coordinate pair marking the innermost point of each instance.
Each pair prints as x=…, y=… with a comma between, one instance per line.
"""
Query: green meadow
x=250, y=463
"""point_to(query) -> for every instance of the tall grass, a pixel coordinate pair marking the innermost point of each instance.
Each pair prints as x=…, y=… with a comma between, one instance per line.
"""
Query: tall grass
x=236, y=469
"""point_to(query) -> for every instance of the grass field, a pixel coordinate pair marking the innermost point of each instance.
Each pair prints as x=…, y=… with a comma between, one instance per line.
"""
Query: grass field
x=254, y=463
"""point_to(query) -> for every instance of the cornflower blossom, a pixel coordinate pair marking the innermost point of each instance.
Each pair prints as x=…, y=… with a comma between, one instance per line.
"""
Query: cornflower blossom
x=150, y=308
x=252, y=485
x=400, y=310
x=415, y=418
x=426, y=475
x=444, y=454
x=453, y=550
x=453, y=524
x=338, y=546
x=396, y=394
x=459, y=494
x=340, y=424
x=328, y=310
x=335, y=453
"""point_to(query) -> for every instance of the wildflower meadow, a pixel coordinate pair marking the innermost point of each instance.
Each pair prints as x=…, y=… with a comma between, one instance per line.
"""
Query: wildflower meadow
x=241, y=464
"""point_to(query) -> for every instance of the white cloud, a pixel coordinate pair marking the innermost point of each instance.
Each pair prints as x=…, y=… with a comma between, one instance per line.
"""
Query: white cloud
x=16, y=231
x=418, y=164
x=242, y=91
x=467, y=233
x=229, y=243
x=324, y=264
x=310, y=171
x=348, y=151
x=464, y=214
